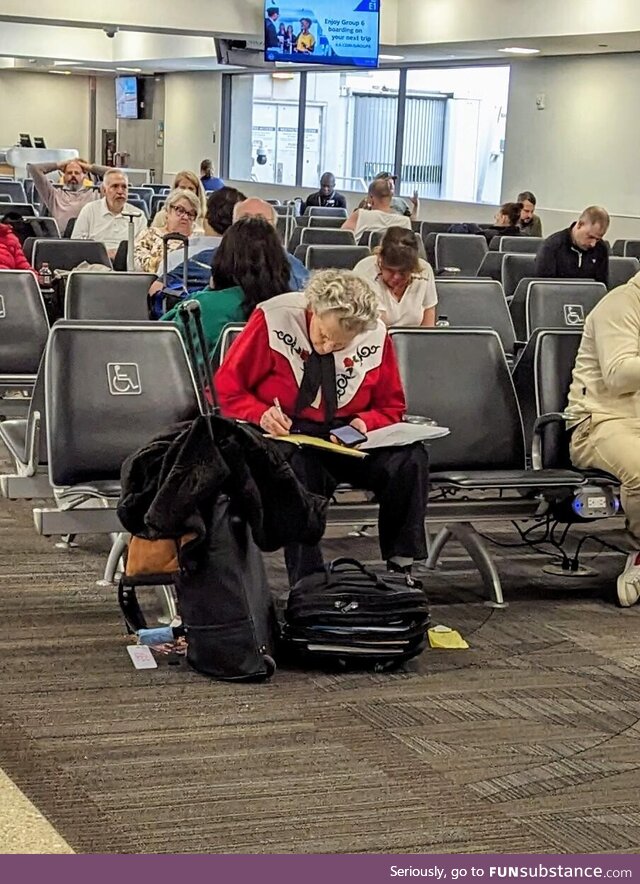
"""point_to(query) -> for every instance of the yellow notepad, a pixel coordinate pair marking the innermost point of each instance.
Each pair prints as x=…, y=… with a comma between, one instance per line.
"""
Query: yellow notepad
x=313, y=442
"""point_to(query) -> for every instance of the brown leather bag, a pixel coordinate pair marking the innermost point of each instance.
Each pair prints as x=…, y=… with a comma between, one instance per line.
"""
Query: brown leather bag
x=159, y=559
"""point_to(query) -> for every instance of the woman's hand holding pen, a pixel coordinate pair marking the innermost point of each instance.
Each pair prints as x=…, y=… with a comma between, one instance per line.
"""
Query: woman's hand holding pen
x=274, y=421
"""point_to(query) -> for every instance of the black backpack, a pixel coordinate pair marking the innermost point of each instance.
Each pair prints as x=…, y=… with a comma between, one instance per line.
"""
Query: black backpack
x=348, y=615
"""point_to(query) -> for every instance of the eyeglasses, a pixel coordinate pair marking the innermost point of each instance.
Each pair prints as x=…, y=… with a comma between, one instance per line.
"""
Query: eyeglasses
x=184, y=213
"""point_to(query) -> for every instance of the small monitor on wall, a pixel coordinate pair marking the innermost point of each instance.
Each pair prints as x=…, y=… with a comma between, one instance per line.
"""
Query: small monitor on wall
x=335, y=32
x=39, y=142
x=126, y=98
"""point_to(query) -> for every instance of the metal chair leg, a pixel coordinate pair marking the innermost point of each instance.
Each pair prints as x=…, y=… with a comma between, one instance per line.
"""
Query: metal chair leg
x=468, y=537
x=117, y=551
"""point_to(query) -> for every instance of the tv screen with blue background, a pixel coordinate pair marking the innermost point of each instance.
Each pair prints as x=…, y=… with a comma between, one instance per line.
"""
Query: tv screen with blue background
x=126, y=98
x=340, y=32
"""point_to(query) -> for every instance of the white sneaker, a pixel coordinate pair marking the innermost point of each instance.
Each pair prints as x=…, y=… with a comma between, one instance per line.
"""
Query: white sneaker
x=629, y=581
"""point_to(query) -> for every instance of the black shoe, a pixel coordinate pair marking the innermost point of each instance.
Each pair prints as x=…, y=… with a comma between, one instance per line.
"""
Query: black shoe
x=405, y=570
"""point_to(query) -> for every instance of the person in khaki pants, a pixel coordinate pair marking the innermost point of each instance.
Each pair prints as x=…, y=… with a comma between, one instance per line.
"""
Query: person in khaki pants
x=604, y=408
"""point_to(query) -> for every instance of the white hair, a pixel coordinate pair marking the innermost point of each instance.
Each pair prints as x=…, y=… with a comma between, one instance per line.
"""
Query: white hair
x=239, y=211
x=182, y=194
x=349, y=296
x=111, y=172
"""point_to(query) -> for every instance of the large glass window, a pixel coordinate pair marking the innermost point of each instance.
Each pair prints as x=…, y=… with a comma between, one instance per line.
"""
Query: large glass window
x=264, y=127
x=454, y=132
x=350, y=126
x=452, y=139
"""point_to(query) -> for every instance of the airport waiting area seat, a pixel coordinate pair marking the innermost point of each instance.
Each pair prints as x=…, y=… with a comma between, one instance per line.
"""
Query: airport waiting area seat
x=553, y=303
x=326, y=236
x=65, y=254
x=15, y=190
x=621, y=270
x=24, y=328
x=514, y=268
x=479, y=472
x=26, y=442
x=459, y=253
x=476, y=303
x=119, y=296
x=326, y=211
x=518, y=244
x=341, y=257
x=326, y=221
x=626, y=248
x=105, y=397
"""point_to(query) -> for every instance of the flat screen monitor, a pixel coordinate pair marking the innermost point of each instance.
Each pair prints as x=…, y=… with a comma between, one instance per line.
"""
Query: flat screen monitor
x=335, y=32
x=126, y=98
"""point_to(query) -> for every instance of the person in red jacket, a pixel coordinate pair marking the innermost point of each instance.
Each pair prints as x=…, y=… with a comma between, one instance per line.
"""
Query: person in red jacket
x=11, y=255
x=314, y=361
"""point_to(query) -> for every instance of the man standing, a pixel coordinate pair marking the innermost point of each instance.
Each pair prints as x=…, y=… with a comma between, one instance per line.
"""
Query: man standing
x=65, y=202
x=327, y=195
x=604, y=412
x=397, y=203
x=105, y=220
x=270, y=32
x=530, y=224
x=577, y=252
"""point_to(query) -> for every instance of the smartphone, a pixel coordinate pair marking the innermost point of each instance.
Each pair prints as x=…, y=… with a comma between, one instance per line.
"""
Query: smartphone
x=349, y=436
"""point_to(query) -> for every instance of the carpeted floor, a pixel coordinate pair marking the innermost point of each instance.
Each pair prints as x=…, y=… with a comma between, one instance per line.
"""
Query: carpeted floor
x=526, y=742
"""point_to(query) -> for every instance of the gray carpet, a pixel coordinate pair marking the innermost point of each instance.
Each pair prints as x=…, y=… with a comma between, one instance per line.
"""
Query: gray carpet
x=526, y=742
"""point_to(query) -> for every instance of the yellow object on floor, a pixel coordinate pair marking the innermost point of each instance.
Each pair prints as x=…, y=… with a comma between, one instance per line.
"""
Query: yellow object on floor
x=445, y=637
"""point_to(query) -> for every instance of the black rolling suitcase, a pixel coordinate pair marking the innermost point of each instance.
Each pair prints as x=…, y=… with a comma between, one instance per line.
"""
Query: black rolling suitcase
x=163, y=301
x=347, y=615
x=226, y=606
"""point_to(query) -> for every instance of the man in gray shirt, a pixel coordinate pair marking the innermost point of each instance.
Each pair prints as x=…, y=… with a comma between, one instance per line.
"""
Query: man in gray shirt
x=65, y=202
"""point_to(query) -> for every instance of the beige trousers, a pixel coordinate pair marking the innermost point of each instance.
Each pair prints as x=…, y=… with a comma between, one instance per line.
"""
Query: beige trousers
x=613, y=444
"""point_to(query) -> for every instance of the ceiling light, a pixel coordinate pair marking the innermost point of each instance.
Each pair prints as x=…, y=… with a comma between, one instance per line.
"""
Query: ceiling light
x=65, y=64
x=281, y=75
x=391, y=57
x=64, y=73
x=519, y=50
x=130, y=70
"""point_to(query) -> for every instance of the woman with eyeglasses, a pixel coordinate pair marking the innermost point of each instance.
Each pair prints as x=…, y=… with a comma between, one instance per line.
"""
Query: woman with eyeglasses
x=182, y=208
x=187, y=180
x=403, y=281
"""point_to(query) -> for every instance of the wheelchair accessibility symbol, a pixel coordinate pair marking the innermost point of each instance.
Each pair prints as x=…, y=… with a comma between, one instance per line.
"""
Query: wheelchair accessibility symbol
x=3, y=311
x=573, y=314
x=124, y=379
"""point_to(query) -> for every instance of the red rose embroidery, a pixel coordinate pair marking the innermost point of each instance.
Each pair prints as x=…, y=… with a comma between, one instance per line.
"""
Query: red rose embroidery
x=348, y=363
x=304, y=355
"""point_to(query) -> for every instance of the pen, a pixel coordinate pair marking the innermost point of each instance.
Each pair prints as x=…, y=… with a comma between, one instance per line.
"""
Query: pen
x=276, y=402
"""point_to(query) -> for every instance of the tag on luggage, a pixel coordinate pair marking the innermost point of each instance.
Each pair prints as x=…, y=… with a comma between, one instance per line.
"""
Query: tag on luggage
x=141, y=657
x=447, y=638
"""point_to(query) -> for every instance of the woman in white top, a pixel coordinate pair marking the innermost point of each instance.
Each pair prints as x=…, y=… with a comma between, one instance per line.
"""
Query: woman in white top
x=405, y=284
x=379, y=215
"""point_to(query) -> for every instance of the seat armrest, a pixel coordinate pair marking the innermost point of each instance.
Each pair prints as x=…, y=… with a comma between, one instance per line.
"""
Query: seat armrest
x=545, y=420
x=33, y=443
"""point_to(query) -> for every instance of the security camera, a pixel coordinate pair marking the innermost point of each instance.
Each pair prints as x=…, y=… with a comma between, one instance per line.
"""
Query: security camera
x=111, y=32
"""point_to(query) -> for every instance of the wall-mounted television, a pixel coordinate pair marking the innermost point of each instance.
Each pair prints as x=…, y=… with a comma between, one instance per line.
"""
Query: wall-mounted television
x=126, y=98
x=336, y=32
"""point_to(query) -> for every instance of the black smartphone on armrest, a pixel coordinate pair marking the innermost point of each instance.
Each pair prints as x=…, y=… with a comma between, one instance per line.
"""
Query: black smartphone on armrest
x=349, y=436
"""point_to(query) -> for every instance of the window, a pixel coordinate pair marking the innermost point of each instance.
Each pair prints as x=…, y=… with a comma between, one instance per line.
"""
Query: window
x=350, y=126
x=455, y=120
x=264, y=128
x=451, y=143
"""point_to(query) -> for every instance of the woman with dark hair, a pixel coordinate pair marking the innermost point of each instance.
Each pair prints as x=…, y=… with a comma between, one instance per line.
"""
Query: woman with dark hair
x=403, y=281
x=249, y=266
x=507, y=221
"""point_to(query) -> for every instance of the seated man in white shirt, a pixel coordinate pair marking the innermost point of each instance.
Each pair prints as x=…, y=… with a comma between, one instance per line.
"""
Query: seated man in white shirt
x=380, y=215
x=105, y=220
x=404, y=283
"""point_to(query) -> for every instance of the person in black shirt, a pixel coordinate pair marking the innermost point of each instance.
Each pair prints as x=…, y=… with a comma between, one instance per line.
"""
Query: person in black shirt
x=507, y=220
x=327, y=195
x=577, y=252
x=270, y=33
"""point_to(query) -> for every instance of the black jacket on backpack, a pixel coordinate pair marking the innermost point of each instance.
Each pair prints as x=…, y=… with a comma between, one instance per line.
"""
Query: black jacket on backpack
x=170, y=486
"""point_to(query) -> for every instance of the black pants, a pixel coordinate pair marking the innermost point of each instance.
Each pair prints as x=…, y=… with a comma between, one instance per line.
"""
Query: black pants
x=399, y=478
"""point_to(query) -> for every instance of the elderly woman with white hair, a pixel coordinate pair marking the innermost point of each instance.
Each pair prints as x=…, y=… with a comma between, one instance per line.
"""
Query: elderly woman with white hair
x=314, y=361
x=182, y=210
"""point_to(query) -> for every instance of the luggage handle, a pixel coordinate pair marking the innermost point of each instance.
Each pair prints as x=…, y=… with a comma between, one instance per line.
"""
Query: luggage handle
x=202, y=370
x=333, y=566
x=175, y=237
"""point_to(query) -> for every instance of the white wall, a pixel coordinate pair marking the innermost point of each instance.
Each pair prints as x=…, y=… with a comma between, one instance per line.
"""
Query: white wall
x=192, y=116
x=53, y=106
x=583, y=148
